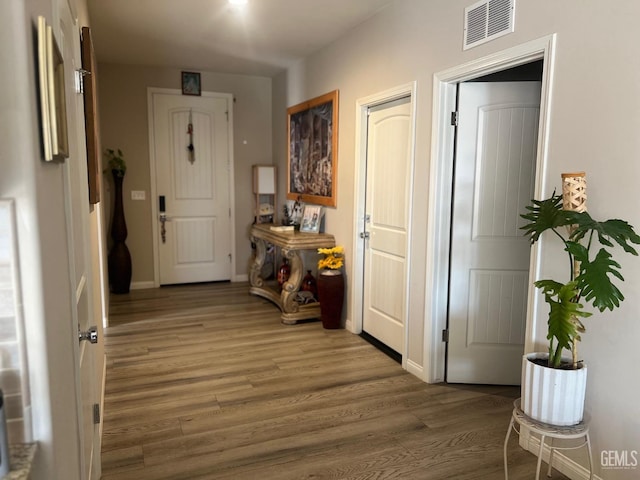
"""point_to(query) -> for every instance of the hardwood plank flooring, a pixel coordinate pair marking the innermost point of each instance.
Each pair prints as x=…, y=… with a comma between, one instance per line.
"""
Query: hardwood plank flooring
x=204, y=382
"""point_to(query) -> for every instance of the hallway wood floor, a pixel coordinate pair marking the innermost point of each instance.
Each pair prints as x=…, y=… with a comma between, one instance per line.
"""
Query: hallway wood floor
x=204, y=382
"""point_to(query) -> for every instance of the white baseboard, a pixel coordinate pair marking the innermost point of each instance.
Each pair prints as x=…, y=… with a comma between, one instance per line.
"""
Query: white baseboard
x=348, y=325
x=240, y=278
x=142, y=285
x=415, y=369
x=561, y=462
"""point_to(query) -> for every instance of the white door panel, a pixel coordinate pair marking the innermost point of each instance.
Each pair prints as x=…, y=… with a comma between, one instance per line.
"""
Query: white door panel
x=494, y=180
x=197, y=241
x=88, y=376
x=387, y=210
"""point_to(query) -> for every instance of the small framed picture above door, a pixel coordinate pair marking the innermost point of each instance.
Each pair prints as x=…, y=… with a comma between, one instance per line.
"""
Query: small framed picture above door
x=191, y=83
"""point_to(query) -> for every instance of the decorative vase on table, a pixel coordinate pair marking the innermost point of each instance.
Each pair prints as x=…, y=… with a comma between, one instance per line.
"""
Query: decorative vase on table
x=309, y=284
x=330, y=286
x=119, y=257
x=284, y=272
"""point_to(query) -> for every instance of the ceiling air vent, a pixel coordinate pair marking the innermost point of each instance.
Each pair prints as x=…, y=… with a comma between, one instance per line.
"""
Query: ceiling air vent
x=486, y=20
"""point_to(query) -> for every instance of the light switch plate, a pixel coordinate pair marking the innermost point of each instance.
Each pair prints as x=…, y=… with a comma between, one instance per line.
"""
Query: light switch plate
x=138, y=195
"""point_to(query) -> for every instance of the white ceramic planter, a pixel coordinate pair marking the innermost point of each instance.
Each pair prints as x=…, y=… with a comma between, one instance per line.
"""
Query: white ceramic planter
x=552, y=395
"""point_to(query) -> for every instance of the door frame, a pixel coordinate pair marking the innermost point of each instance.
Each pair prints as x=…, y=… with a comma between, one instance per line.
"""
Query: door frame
x=360, y=182
x=151, y=91
x=440, y=188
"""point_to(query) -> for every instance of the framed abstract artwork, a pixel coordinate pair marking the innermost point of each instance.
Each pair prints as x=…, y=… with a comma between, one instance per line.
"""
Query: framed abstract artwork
x=312, y=129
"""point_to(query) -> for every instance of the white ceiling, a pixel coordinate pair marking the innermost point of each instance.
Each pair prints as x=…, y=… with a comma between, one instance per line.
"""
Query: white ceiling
x=261, y=38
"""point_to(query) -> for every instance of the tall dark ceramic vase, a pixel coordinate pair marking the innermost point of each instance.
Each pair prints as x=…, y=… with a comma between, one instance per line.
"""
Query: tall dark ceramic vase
x=330, y=285
x=119, y=257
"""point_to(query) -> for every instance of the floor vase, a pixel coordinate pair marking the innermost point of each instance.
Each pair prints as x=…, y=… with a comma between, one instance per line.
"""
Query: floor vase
x=330, y=286
x=119, y=257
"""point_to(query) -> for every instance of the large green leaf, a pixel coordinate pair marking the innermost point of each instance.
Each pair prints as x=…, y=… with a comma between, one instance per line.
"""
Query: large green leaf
x=617, y=230
x=544, y=215
x=594, y=281
x=563, y=324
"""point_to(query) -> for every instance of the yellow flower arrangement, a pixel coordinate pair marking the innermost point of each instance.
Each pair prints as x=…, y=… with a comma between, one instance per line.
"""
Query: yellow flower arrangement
x=333, y=258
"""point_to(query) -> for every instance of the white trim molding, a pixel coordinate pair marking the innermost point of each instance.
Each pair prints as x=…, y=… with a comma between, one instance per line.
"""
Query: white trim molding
x=362, y=106
x=440, y=190
x=143, y=285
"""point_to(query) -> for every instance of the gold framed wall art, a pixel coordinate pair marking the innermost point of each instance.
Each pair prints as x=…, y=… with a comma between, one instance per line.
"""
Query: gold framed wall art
x=312, y=153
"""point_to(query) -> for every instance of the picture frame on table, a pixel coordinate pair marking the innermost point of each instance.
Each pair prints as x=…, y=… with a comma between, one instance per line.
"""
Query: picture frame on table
x=311, y=219
x=312, y=150
x=295, y=210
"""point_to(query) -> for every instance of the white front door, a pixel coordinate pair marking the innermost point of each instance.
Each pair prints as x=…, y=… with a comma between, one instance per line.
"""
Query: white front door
x=489, y=270
x=387, y=220
x=88, y=376
x=193, y=186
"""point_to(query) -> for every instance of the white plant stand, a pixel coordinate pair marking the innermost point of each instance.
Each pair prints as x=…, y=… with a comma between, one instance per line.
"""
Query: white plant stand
x=581, y=430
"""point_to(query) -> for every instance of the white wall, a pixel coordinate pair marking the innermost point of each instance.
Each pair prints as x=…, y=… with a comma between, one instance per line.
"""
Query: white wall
x=595, y=116
x=123, y=114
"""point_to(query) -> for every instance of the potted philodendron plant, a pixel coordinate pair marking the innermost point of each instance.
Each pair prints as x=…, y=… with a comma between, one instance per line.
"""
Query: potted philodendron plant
x=553, y=386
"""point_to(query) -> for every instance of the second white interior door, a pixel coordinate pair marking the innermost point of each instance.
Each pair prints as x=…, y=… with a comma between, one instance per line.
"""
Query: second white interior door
x=387, y=213
x=489, y=268
x=195, y=184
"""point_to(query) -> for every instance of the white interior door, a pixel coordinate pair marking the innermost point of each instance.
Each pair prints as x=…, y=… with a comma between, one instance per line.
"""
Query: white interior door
x=387, y=221
x=196, y=243
x=494, y=180
x=88, y=376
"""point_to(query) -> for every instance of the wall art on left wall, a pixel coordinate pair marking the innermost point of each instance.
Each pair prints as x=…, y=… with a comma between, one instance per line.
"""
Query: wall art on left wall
x=52, y=94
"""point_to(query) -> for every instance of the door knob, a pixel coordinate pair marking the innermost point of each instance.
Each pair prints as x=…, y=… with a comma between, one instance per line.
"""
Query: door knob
x=91, y=335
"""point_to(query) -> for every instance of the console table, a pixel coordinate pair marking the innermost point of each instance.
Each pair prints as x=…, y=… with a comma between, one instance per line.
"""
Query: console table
x=291, y=243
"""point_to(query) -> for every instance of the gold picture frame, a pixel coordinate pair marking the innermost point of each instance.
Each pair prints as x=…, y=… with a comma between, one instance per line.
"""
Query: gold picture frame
x=52, y=94
x=312, y=153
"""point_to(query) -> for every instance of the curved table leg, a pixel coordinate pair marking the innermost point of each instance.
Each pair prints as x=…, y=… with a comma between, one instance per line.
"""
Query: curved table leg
x=506, y=442
x=542, y=437
x=590, y=459
x=258, y=261
x=291, y=287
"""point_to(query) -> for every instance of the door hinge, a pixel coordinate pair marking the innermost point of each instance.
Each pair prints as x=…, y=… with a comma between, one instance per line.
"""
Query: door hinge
x=80, y=73
x=454, y=119
x=96, y=413
x=230, y=258
x=445, y=335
